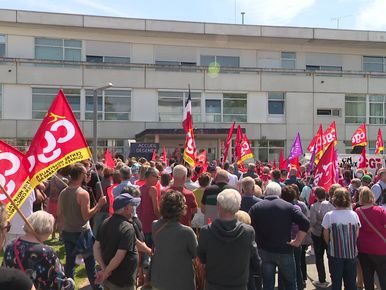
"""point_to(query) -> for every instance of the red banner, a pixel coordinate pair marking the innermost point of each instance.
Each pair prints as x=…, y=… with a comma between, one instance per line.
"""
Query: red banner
x=239, y=139
x=109, y=161
x=13, y=177
x=57, y=143
x=324, y=173
x=359, y=137
x=379, y=143
x=362, y=162
x=190, y=149
x=245, y=150
x=330, y=136
x=228, y=142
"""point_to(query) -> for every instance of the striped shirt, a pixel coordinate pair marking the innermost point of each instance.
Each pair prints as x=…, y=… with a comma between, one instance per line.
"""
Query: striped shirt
x=343, y=227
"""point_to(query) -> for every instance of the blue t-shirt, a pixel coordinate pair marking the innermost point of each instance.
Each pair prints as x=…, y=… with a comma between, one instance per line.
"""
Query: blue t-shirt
x=247, y=201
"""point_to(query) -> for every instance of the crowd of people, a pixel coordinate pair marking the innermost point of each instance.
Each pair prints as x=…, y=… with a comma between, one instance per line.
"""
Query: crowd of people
x=171, y=227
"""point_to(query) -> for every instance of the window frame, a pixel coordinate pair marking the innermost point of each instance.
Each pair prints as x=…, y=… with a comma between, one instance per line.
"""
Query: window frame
x=195, y=95
x=62, y=46
x=360, y=119
x=287, y=59
x=276, y=100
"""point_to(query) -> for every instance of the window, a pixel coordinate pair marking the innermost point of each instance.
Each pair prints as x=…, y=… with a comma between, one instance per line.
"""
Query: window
x=2, y=45
x=374, y=64
x=377, y=109
x=213, y=111
x=108, y=59
x=288, y=60
x=58, y=49
x=323, y=68
x=166, y=65
x=171, y=104
x=112, y=105
x=267, y=150
x=276, y=103
x=1, y=101
x=114, y=146
x=43, y=97
x=221, y=61
x=355, y=109
x=234, y=107
x=328, y=112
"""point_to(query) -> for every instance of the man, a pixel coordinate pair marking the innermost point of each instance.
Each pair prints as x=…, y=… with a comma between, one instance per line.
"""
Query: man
x=189, y=184
x=233, y=179
x=380, y=185
x=248, y=199
x=125, y=172
x=265, y=177
x=292, y=179
x=276, y=176
x=209, y=198
x=251, y=171
x=74, y=211
x=226, y=247
x=272, y=219
x=115, y=246
x=179, y=177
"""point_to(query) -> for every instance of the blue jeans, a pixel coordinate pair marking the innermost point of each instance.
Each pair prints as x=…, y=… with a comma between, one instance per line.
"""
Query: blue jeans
x=345, y=269
x=80, y=243
x=286, y=267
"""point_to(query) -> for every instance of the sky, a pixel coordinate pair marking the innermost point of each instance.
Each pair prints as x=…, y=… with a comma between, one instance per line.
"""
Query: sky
x=351, y=14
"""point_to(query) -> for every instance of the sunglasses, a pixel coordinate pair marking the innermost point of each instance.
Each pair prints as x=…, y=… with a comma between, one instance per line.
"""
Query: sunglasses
x=6, y=227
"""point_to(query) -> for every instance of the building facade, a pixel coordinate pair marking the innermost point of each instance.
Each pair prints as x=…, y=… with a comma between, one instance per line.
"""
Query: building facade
x=273, y=81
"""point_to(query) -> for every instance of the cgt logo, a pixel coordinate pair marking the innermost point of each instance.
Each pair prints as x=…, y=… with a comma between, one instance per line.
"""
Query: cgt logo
x=190, y=144
x=358, y=138
x=245, y=148
x=51, y=152
x=11, y=163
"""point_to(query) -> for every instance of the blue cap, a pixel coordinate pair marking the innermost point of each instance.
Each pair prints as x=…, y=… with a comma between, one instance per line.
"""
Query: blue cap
x=124, y=199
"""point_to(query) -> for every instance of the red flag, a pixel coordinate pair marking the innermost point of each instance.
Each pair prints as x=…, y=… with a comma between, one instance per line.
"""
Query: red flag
x=187, y=120
x=362, y=162
x=274, y=164
x=202, y=157
x=190, y=149
x=282, y=162
x=330, y=136
x=109, y=161
x=318, y=142
x=154, y=155
x=164, y=156
x=245, y=150
x=228, y=142
x=359, y=137
x=239, y=139
x=324, y=173
x=379, y=143
x=13, y=177
x=57, y=143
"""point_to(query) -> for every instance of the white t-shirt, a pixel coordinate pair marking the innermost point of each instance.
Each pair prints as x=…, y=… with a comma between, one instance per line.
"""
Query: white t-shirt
x=17, y=223
x=233, y=180
x=340, y=216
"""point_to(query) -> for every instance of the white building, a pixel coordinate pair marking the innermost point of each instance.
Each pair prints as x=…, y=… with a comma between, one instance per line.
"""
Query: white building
x=274, y=81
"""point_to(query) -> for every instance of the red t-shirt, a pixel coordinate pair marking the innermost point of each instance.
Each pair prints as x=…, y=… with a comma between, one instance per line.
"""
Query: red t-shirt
x=369, y=241
x=191, y=204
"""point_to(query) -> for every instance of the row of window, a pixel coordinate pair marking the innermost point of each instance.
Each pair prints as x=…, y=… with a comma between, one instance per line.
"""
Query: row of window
x=57, y=49
x=369, y=109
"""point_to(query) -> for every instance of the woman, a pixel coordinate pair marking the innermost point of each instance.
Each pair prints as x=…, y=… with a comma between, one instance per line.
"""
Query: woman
x=175, y=245
x=372, y=239
x=198, y=219
x=11, y=278
x=340, y=232
x=38, y=261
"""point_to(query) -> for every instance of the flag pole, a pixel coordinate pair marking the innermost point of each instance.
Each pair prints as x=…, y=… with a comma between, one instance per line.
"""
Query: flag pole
x=99, y=181
x=19, y=211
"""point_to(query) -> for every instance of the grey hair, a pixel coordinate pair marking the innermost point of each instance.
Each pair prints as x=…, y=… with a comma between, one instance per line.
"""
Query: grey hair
x=41, y=221
x=229, y=200
x=125, y=172
x=179, y=171
x=273, y=188
x=248, y=185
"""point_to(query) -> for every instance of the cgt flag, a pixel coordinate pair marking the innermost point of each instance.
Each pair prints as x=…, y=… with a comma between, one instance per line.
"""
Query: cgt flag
x=316, y=145
x=13, y=177
x=57, y=143
x=245, y=150
x=362, y=162
x=330, y=136
x=359, y=139
x=379, y=143
x=325, y=174
x=228, y=142
x=296, y=149
x=109, y=161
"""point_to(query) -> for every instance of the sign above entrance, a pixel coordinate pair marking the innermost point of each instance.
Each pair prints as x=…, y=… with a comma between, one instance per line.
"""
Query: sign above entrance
x=143, y=150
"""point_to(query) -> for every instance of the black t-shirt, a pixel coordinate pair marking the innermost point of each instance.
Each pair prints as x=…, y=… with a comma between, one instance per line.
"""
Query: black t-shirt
x=14, y=279
x=117, y=233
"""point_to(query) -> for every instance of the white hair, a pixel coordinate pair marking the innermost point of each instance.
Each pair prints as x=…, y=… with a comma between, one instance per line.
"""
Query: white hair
x=179, y=171
x=229, y=200
x=273, y=188
x=41, y=221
